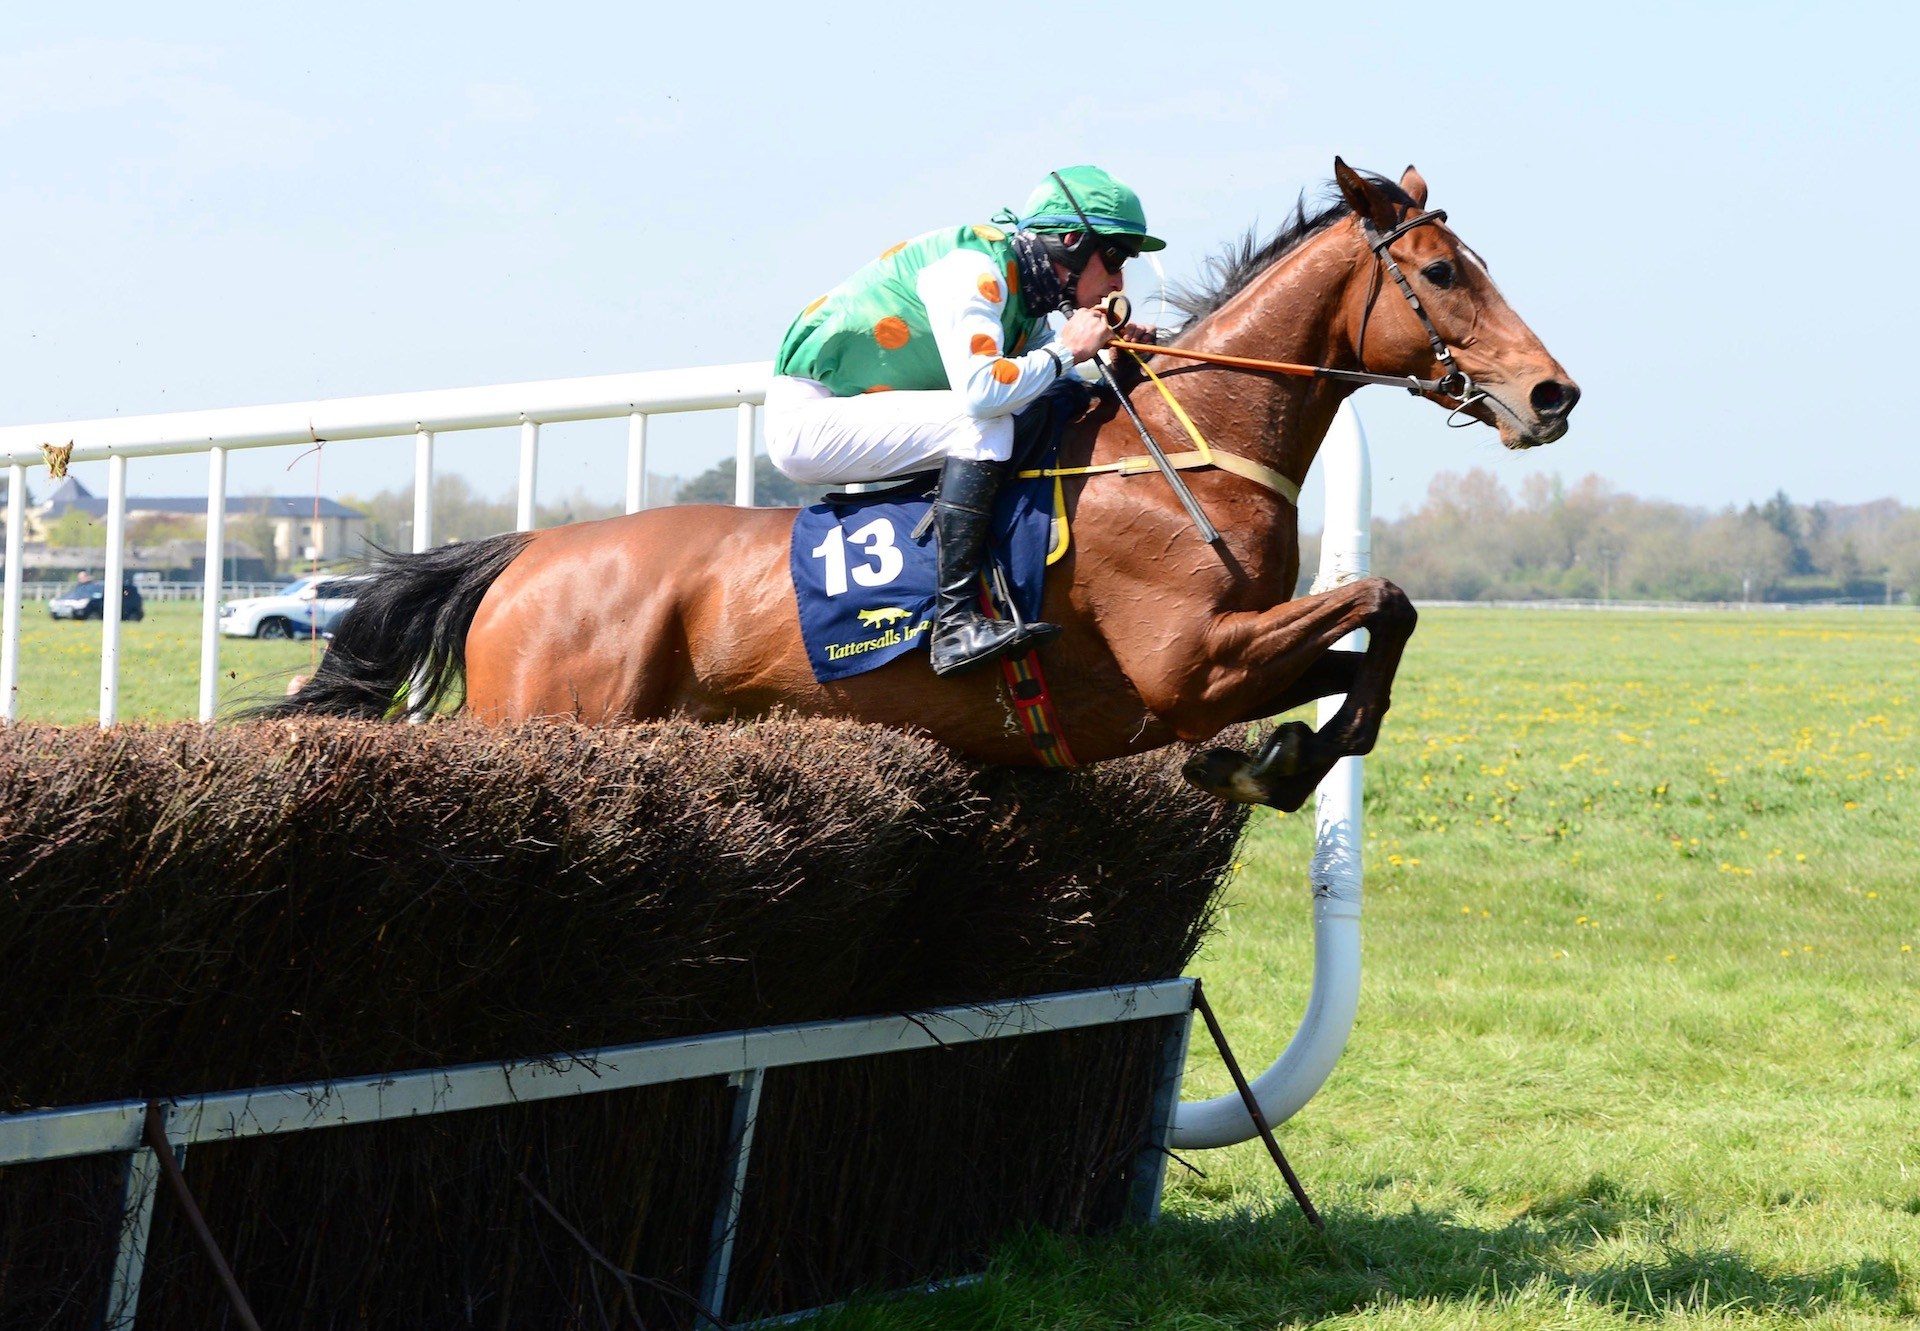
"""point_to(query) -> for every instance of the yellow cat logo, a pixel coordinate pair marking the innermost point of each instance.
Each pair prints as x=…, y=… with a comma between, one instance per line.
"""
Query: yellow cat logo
x=886, y=614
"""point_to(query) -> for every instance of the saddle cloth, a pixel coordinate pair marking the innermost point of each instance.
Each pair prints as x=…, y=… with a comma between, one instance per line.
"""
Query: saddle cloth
x=865, y=582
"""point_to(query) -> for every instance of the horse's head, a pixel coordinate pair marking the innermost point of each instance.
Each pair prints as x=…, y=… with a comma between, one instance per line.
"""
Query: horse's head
x=1517, y=386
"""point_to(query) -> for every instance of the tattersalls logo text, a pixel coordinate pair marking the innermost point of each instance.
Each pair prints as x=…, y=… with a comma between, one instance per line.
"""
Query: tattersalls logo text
x=838, y=651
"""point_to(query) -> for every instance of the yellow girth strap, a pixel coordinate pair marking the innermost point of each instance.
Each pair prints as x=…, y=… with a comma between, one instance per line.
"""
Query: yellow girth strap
x=1203, y=454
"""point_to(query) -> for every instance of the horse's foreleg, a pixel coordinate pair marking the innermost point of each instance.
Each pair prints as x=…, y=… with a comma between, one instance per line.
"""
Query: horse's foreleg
x=1269, y=661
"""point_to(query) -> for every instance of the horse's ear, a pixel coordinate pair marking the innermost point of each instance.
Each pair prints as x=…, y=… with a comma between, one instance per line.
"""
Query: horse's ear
x=1415, y=185
x=1362, y=197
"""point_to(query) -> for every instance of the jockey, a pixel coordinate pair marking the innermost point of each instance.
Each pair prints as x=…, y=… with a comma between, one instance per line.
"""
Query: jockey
x=922, y=358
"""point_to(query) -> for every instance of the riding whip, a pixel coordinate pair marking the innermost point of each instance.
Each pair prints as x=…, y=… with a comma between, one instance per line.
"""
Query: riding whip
x=1117, y=309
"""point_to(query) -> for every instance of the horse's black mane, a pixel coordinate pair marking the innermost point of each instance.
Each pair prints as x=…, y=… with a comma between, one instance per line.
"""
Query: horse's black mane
x=1228, y=272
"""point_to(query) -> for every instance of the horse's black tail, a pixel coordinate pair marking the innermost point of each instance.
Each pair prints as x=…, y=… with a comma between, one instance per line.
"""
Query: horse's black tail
x=407, y=630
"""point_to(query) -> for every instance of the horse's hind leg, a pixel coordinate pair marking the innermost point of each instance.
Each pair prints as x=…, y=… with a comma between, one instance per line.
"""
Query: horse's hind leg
x=1287, y=663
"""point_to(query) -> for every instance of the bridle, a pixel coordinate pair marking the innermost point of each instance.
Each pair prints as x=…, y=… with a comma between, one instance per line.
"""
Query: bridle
x=1454, y=382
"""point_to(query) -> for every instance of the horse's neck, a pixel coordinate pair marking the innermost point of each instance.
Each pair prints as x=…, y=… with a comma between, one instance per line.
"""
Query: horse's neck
x=1293, y=312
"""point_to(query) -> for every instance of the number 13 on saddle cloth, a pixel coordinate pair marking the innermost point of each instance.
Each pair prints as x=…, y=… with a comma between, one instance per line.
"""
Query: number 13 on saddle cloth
x=864, y=572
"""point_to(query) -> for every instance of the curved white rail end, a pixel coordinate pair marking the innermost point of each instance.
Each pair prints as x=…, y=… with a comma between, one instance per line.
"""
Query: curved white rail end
x=1301, y=1070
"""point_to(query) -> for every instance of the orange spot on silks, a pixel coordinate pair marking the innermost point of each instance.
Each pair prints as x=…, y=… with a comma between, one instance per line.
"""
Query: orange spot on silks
x=989, y=233
x=892, y=250
x=990, y=289
x=878, y=388
x=891, y=332
x=984, y=344
x=1013, y=278
x=1005, y=371
x=811, y=308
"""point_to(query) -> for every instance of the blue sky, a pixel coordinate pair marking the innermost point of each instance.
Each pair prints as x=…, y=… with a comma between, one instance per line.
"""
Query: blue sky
x=1705, y=211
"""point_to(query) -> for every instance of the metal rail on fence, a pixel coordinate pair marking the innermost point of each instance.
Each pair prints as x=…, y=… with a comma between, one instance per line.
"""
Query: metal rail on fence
x=742, y=1057
x=419, y=416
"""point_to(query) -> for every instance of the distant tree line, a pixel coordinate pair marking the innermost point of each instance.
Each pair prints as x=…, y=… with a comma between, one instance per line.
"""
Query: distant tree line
x=1472, y=540
x=461, y=513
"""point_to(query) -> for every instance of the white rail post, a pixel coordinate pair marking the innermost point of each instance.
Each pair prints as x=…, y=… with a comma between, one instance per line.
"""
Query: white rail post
x=213, y=583
x=110, y=602
x=10, y=635
x=422, y=490
x=1304, y=1066
x=743, y=457
x=529, y=462
x=422, y=540
x=139, y=1189
x=1150, y=1165
x=733, y=1188
x=636, y=461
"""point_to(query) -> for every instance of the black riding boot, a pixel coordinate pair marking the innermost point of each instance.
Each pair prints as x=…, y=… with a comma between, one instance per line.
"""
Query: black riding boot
x=963, y=637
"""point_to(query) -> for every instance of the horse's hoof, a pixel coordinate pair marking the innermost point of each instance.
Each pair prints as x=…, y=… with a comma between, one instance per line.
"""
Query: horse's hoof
x=1284, y=753
x=1225, y=773
x=1288, y=793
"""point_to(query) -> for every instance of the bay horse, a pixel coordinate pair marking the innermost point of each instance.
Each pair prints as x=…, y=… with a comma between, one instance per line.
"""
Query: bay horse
x=689, y=611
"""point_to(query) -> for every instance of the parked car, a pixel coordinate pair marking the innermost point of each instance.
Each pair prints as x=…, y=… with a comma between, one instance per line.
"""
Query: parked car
x=88, y=600
x=304, y=607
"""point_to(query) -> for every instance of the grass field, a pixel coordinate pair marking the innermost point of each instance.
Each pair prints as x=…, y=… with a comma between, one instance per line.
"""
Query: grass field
x=1639, y=1041
x=159, y=666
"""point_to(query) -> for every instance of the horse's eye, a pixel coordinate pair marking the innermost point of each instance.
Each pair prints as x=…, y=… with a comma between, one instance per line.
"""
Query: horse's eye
x=1440, y=274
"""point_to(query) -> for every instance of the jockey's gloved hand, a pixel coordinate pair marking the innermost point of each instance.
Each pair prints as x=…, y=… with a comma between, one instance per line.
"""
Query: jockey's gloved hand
x=1084, y=333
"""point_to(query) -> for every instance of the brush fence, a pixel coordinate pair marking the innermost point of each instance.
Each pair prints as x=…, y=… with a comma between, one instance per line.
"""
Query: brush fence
x=744, y=1056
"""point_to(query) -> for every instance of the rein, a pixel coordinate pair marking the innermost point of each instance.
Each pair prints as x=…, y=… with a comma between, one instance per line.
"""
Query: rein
x=1413, y=385
x=1454, y=383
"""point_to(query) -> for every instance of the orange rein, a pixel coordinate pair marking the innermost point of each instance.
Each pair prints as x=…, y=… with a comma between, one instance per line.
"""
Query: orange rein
x=1214, y=358
x=1409, y=382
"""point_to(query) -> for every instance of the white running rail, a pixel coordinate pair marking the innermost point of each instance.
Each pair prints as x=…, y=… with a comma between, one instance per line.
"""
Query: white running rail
x=397, y=415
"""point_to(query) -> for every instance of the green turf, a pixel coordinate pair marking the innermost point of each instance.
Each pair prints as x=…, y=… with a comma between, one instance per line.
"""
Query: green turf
x=159, y=666
x=1639, y=1039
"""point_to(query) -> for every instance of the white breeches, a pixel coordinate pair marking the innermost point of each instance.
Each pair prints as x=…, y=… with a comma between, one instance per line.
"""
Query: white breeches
x=819, y=439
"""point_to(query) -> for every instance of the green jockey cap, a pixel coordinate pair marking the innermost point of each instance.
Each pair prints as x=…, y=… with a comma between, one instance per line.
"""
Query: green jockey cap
x=1108, y=206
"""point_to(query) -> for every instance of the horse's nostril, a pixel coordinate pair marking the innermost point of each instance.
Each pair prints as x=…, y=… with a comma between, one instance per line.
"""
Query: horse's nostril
x=1550, y=397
